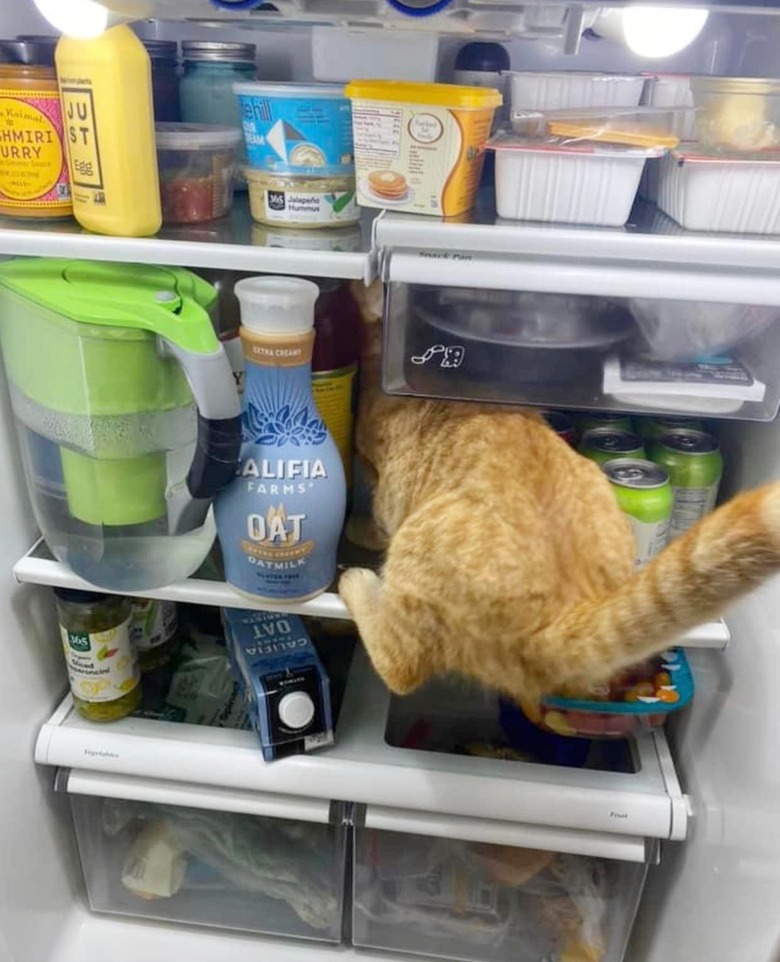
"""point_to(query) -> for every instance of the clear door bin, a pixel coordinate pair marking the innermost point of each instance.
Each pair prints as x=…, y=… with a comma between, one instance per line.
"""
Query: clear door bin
x=490, y=903
x=231, y=870
x=573, y=351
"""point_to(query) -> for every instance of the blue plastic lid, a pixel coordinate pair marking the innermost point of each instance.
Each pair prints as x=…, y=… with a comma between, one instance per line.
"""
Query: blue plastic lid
x=490, y=57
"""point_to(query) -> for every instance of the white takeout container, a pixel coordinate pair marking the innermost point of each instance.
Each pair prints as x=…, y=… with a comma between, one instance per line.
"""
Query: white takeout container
x=533, y=90
x=582, y=184
x=733, y=194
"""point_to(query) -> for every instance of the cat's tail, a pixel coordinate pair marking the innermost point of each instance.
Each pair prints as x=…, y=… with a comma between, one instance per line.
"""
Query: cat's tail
x=692, y=580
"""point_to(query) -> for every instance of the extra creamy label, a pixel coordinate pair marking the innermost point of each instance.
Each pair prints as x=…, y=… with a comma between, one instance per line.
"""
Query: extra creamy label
x=102, y=666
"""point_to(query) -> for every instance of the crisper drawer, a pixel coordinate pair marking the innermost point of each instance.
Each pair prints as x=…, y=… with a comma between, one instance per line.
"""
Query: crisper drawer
x=512, y=900
x=234, y=860
x=469, y=330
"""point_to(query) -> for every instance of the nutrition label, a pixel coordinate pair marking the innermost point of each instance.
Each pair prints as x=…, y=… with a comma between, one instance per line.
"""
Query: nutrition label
x=690, y=505
x=377, y=130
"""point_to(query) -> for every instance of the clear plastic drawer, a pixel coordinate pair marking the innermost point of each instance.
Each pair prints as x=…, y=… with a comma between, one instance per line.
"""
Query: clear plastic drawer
x=647, y=356
x=486, y=902
x=211, y=866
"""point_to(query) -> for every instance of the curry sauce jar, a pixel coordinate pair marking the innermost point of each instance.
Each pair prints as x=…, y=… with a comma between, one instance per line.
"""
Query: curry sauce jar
x=33, y=163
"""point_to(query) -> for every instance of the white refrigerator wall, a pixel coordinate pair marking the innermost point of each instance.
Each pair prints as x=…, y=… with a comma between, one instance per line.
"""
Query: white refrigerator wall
x=716, y=896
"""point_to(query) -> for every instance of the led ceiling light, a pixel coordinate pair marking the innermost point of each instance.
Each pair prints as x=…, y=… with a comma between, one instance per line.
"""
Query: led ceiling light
x=651, y=32
x=86, y=19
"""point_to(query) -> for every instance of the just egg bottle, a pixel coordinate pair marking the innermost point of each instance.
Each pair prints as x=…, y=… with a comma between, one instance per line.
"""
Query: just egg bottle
x=280, y=519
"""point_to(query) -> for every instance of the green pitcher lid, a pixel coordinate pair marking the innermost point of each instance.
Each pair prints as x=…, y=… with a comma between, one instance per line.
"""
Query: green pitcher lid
x=169, y=301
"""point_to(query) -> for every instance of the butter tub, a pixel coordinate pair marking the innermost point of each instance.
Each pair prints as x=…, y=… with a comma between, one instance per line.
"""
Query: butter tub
x=419, y=147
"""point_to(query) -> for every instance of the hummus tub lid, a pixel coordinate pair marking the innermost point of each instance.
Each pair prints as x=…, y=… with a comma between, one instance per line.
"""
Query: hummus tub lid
x=425, y=94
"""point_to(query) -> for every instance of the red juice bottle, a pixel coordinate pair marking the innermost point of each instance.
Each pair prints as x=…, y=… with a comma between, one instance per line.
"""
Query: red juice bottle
x=335, y=364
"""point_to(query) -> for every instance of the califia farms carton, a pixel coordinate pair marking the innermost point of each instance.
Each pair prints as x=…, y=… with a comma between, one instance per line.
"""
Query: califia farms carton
x=284, y=683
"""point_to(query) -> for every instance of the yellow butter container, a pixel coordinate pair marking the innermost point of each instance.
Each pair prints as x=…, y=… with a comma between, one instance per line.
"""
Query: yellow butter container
x=419, y=147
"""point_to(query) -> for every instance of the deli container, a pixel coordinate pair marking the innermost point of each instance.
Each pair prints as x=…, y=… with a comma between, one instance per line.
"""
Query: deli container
x=581, y=183
x=623, y=126
x=420, y=147
x=297, y=128
x=301, y=201
x=639, y=700
x=555, y=90
x=229, y=864
x=738, y=193
x=737, y=113
x=197, y=164
x=673, y=90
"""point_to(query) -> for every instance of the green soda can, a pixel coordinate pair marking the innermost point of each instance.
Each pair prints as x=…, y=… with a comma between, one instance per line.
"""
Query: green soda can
x=606, y=444
x=652, y=428
x=695, y=466
x=645, y=496
x=604, y=419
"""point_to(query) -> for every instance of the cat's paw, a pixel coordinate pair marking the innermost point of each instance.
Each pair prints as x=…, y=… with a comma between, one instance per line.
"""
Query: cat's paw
x=359, y=589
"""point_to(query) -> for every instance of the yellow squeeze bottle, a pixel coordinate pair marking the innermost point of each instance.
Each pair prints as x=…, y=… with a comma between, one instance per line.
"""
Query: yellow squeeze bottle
x=108, y=117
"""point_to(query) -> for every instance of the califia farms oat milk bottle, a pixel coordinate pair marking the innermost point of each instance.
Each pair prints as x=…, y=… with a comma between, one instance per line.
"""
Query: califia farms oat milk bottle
x=280, y=519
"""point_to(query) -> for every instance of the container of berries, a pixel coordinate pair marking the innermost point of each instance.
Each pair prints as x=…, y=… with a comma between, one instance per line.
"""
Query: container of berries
x=638, y=700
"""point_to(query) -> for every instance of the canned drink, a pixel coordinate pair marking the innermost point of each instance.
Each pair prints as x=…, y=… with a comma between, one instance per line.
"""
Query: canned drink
x=645, y=496
x=604, y=419
x=652, y=428
x=606, y=444
x=695, y=466
x=562, y=424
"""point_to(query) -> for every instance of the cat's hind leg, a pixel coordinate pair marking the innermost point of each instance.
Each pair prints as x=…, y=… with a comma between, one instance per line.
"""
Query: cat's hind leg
x=381, y=630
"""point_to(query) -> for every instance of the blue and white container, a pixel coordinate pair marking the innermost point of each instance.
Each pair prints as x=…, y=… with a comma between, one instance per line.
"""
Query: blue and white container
x=297, y=128
x=285, y=685
x=280, y=519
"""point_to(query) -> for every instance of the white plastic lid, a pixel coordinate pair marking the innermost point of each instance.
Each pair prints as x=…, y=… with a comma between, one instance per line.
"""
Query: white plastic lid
x=256, y=88
x=277, y=305
x=174, y=136
x=296, y=709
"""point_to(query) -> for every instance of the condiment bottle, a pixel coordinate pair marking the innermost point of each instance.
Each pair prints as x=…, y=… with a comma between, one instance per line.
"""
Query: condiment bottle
x=100, y=656
x=106, y=95
x=154, y=631
x=334, y=365
x=33, y=166
x=280, y=519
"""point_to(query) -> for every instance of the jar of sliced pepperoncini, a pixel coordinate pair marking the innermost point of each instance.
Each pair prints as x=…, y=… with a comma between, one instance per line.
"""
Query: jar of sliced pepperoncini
x=105, y=679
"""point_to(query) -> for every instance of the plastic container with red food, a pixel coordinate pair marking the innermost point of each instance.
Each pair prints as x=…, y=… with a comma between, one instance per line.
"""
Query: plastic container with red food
x=197, y=165
x=638, y=700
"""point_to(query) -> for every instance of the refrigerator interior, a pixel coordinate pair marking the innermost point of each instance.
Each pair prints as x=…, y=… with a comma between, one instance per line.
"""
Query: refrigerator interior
x=712, y=896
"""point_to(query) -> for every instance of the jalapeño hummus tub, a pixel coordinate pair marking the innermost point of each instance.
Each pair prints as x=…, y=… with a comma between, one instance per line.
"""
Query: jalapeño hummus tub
x=419, y=147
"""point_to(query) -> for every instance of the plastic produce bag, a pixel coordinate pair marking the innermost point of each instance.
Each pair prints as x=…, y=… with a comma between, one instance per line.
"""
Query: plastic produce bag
x=686, y=330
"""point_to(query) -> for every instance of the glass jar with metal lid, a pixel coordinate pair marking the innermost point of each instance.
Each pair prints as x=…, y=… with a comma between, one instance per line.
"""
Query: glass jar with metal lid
x=206, y=89
x=164, y=55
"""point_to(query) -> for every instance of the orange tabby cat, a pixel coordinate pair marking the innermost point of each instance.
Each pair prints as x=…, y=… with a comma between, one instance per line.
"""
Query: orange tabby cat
x=509, y=560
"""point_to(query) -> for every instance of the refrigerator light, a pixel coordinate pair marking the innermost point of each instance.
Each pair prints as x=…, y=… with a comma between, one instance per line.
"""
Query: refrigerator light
x=651, y=32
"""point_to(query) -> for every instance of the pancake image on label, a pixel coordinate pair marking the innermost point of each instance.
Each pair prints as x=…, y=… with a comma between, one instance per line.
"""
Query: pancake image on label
x=387, y=183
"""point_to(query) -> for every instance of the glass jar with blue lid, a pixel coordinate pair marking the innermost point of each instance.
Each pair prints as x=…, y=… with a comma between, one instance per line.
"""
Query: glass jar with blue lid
x=206, y=89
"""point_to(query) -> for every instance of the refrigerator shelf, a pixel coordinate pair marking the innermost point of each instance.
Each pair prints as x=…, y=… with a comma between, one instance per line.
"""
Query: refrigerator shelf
x=650, y=257
x=38, y=567
x=482, y=798
x=233, y=243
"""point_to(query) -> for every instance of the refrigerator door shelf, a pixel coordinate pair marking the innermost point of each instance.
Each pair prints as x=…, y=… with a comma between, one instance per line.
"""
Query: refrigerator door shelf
x=38, y=567
x=363, y=767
